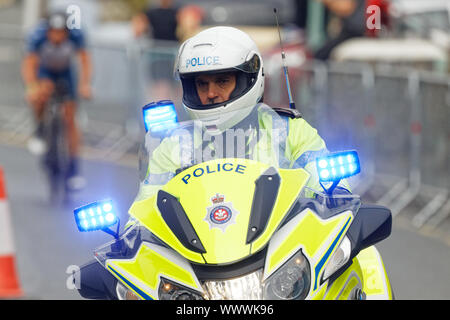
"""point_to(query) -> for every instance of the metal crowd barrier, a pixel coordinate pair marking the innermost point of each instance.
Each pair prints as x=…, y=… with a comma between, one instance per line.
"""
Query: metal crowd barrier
x=398, y=120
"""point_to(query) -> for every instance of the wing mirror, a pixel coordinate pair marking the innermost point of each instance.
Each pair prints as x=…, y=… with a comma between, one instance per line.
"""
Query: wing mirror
x=371, y=225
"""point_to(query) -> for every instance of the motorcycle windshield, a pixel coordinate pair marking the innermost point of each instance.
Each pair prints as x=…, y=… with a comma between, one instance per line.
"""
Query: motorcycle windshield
x=216, y=194
x=257, y=133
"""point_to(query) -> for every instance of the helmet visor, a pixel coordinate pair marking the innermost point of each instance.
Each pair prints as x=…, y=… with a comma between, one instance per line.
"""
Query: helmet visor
x=245, y=76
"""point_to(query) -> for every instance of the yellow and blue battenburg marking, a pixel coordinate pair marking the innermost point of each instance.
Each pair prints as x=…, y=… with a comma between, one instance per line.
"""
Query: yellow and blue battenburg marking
x=142, y=273
x=132, y=286
x=318, y=268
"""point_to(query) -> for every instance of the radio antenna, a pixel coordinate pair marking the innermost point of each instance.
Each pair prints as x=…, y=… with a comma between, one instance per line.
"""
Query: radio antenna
x=283, y=58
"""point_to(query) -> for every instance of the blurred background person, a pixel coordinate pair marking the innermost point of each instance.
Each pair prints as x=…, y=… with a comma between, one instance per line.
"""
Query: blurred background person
x=51, y=48
x=158, y=22
x=190, y=19
x=160, y=25
x=349, y=17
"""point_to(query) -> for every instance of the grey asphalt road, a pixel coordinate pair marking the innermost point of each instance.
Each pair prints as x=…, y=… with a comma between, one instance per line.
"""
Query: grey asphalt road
x=47, y=241
x=418, y=266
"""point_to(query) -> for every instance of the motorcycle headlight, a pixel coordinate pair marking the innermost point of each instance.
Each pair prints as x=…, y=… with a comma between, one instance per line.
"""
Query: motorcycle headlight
x=248, y=287
x=339, y=258
x=169, y=290
x=291, y=281
x=123, y=293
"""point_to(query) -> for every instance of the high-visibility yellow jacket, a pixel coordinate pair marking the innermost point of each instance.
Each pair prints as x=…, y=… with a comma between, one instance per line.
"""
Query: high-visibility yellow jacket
x=284, y=141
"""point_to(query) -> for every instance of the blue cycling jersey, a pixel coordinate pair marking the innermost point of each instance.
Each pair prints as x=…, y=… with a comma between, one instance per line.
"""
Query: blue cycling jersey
x=55, y=58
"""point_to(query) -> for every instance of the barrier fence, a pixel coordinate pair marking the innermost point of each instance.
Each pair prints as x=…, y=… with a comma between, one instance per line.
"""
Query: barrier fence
x=397, y=119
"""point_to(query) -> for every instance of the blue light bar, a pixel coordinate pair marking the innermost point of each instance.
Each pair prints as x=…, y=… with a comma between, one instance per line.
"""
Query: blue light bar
x=159, y=116
x=95, y=216
x=337, y=166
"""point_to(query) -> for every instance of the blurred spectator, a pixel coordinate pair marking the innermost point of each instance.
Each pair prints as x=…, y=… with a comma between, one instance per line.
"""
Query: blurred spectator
x=190, y=19
x=160, y=24
x=351, y=14
x=6, y=3
x=301, y=13
x=115, y=10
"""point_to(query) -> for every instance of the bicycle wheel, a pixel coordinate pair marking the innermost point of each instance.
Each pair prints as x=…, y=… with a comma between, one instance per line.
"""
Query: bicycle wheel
x=56, y=158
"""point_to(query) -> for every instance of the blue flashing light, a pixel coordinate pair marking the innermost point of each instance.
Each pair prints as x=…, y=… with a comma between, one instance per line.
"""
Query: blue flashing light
x=159, y=116
x=95, y=216
x=337, y=166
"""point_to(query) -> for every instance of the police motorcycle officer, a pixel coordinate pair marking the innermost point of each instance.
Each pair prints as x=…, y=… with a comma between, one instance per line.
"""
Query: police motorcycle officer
x=222, y=76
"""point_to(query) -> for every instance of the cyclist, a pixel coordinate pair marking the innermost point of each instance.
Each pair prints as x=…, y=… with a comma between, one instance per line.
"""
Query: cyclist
x=222, y=76
x=51, y=48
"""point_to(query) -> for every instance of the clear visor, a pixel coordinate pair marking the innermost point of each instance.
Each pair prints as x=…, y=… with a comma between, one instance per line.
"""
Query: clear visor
x=244, y=77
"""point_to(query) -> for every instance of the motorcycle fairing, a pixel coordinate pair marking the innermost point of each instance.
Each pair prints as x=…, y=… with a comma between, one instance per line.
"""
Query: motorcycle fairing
x=146, y=211
x=376, y=284
x=234, y=180
x=142, y=273
x=314, y=230
x=366, y=273
x=134, y=272
x=345, y=286
x=316, y=237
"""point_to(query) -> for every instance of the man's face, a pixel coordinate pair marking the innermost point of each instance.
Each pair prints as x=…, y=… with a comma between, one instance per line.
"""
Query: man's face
x=215, y=88
x=57, y=36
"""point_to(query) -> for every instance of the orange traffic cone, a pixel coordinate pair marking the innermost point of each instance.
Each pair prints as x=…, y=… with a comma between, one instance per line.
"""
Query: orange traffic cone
x=9, y=284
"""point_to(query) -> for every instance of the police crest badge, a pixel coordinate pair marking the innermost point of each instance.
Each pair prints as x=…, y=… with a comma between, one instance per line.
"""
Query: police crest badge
x=221, y=214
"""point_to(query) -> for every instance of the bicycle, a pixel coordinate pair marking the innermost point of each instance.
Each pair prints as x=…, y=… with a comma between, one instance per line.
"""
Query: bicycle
x=56, y=159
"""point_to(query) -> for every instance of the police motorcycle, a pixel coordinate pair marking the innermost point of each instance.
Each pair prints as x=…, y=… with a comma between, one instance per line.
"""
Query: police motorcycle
x=241, y=225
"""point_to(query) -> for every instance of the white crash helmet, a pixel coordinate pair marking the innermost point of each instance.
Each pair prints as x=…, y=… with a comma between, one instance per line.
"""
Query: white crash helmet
x=216, y=50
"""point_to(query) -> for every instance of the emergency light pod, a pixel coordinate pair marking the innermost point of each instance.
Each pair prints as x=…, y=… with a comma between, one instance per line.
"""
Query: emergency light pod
x=159, y=116
x=95, y=216
x=337, y=166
